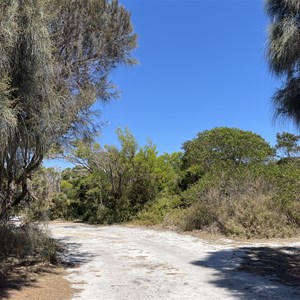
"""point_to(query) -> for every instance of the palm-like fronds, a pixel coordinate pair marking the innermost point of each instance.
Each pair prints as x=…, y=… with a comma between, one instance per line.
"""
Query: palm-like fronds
x=284, y=46
x=287, y=101
x=283, y=55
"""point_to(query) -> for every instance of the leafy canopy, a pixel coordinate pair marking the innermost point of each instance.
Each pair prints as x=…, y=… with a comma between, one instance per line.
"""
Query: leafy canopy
x=226, y=145
x=117, y=182
x=222, y=147
x=56, y=56
x=287, y=144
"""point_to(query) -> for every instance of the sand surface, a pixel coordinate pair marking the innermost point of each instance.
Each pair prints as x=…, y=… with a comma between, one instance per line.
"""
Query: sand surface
x=118, y=263
x=47, y=285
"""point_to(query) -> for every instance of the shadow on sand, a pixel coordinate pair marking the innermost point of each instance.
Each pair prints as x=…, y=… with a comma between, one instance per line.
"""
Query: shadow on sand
x=15, y=275
x=276, y=270
x=70, y=255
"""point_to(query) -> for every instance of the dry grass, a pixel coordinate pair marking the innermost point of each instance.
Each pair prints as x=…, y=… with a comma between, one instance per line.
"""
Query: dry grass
x=245, y=209
x=25, y=241
x=27, y=255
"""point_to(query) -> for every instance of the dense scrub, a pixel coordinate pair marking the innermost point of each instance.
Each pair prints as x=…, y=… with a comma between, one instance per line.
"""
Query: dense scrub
x=251, y=202
x=226, y=180
x=112, y=184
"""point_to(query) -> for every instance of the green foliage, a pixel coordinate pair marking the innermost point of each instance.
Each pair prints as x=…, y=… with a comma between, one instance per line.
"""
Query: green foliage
x=287, y=190
x=287, y=145
x=222, y=148
x=254, y=201
x=233, y=186
x=42, y=186
x=156, y=212
x=236, y=187
x=113, y=184
x=55, y=60
x=169, y=169
x=225, y=146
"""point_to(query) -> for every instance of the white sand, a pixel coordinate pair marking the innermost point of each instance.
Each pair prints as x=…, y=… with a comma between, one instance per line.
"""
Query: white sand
x=118, y=263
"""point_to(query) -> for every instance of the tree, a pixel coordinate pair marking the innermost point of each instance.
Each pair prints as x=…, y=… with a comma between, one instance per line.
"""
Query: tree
x=287, y=145
x=221, y=148
x=56, y=56
x=170, y=166
x=284, y=55
x=44, y=183
x=119, y=181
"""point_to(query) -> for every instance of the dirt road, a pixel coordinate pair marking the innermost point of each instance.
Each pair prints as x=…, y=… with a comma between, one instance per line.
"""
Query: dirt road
x=118, y=263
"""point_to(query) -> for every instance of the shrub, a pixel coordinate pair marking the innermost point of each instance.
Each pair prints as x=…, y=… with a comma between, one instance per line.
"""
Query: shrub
x=26, y=240
x=245, y=203
x=158, y=210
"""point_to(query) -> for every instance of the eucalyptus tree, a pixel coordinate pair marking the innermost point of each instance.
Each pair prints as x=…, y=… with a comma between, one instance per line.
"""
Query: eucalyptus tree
x=284, y=55
x=55, y=58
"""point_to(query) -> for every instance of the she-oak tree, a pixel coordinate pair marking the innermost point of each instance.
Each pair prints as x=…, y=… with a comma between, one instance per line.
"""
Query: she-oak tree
x=55, y=58
x=284, y=55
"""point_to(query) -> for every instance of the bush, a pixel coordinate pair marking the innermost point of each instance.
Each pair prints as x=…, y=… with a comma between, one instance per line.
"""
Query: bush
x=26, y=240
x=250, y=217
x=247, y=203
x=158, y=210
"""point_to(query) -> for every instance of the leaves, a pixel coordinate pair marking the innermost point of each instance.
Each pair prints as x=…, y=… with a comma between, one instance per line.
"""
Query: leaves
x=55, y=60
x=288, y=144
x=118, y=182
x=223, y=147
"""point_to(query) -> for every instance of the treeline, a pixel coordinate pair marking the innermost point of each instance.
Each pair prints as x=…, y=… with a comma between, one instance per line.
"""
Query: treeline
x=225, y=180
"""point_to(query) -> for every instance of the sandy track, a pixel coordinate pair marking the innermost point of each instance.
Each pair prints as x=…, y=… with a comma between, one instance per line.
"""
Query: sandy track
x=118, y=263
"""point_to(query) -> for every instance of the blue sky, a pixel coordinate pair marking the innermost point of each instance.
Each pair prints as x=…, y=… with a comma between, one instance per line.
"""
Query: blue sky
x=202, y=65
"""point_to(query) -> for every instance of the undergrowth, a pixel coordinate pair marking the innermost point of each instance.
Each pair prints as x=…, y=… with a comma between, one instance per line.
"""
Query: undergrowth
x=27, y=241
x=248, y=204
